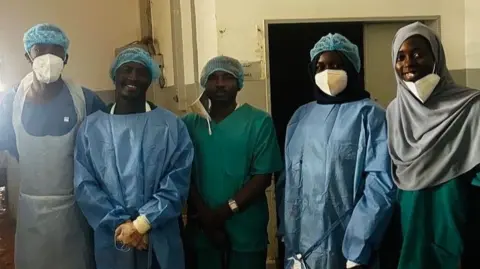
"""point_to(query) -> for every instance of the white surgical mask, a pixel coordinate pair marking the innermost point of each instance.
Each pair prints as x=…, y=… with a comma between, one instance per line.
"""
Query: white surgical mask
x=201, y=107
x=48, y=68
x=332, y=82
x=423, y=88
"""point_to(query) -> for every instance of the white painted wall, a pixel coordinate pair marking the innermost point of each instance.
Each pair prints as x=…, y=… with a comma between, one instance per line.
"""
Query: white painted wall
x=95, y=29
x=162, y=32
x=228, y=27
x=206, y=26
x=239, y=18
x=188, y=42
x=472, y=36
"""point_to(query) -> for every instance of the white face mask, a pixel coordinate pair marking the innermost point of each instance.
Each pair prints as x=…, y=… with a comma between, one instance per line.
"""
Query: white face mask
x=332, y=82
x=48, y=68
x=201, y=107
x=423, y=88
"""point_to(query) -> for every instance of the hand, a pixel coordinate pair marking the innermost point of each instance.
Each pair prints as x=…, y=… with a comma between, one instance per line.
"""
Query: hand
x=218, y=237
x=215, y=219
x=143, y=245
x=128, y=235
x=205, y=218
x=221, y=215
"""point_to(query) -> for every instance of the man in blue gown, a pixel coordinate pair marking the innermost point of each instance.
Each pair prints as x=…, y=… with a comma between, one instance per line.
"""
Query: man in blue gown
x=38, y=121
x=132, y=173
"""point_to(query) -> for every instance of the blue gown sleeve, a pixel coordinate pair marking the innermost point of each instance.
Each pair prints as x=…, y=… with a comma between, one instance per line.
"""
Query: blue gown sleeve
x=281, y=182
x=93, y=102
x=172, y=192
x=97, y=207
x=373, y=211
x=8, y=141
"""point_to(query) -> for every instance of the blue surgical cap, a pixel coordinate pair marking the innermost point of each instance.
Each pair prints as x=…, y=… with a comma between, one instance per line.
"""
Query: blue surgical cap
x=45, y=33
x=337, y=42
x=225, y=64
x=136, y=55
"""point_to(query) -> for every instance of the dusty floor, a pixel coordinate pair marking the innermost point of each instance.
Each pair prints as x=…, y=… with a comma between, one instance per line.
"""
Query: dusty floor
x=7, y=237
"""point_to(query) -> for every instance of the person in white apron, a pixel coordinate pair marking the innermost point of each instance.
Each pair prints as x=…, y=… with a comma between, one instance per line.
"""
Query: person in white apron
x=51, y=231
x=40, y=119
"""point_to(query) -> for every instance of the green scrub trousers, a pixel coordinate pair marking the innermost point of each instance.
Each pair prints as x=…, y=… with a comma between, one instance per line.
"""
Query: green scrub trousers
x=440, y=225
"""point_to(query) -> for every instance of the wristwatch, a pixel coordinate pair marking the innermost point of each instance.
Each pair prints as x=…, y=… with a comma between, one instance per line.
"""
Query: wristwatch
x=233, y=205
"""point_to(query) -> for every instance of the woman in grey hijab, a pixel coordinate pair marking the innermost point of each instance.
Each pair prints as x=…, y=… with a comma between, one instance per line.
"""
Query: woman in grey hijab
x=435, y=148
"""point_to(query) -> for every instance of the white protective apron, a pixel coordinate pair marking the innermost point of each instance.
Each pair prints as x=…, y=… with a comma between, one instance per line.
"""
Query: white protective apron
x=51, y=230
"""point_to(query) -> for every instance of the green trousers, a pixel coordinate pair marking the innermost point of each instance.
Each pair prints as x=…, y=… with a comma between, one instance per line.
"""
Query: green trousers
x=438, y=225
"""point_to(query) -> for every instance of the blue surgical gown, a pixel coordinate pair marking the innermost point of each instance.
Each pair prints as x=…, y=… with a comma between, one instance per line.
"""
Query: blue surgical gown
x=131, y=165
x=57, y=117
x=337, y=189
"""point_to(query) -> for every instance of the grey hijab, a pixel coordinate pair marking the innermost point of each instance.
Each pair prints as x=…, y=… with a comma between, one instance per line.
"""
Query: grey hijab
x=434, y=142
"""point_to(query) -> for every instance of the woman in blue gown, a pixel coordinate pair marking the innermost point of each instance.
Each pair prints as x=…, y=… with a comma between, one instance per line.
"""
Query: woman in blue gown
x=337, y=191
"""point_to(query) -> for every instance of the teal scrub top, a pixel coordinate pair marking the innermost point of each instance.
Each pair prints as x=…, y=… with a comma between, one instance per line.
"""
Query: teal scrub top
x=242, y=145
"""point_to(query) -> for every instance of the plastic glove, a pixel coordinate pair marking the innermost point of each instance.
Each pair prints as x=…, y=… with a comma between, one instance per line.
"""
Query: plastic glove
x=128, y=235
x=143, y=245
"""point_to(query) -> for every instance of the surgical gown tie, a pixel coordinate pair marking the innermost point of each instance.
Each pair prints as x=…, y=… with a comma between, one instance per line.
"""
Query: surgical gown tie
x=299, y=258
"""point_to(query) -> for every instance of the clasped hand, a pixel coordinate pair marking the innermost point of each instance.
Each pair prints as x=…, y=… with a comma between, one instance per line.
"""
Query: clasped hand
x=212, y=223
x=214, y=219
x=128, y=235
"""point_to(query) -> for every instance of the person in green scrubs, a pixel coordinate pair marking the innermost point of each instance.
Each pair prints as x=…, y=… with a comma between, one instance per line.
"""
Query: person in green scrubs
x=236, y=153
x=433, y=126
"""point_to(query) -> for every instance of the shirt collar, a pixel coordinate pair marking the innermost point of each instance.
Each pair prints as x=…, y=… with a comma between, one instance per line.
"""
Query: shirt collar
x=147, y=108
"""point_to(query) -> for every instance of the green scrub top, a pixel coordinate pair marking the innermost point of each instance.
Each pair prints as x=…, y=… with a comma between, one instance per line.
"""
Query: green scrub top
x=434, y=224
x=242, y=145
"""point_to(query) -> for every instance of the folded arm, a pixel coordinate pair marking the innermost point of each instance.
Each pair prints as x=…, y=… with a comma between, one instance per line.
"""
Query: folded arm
x=267, y=160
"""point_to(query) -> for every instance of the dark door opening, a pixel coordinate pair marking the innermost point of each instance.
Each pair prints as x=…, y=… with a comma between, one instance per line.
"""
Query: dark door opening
x=289, y=56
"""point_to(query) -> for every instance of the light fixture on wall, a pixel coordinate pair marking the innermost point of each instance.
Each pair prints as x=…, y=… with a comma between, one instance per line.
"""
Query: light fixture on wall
x=148, y=44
